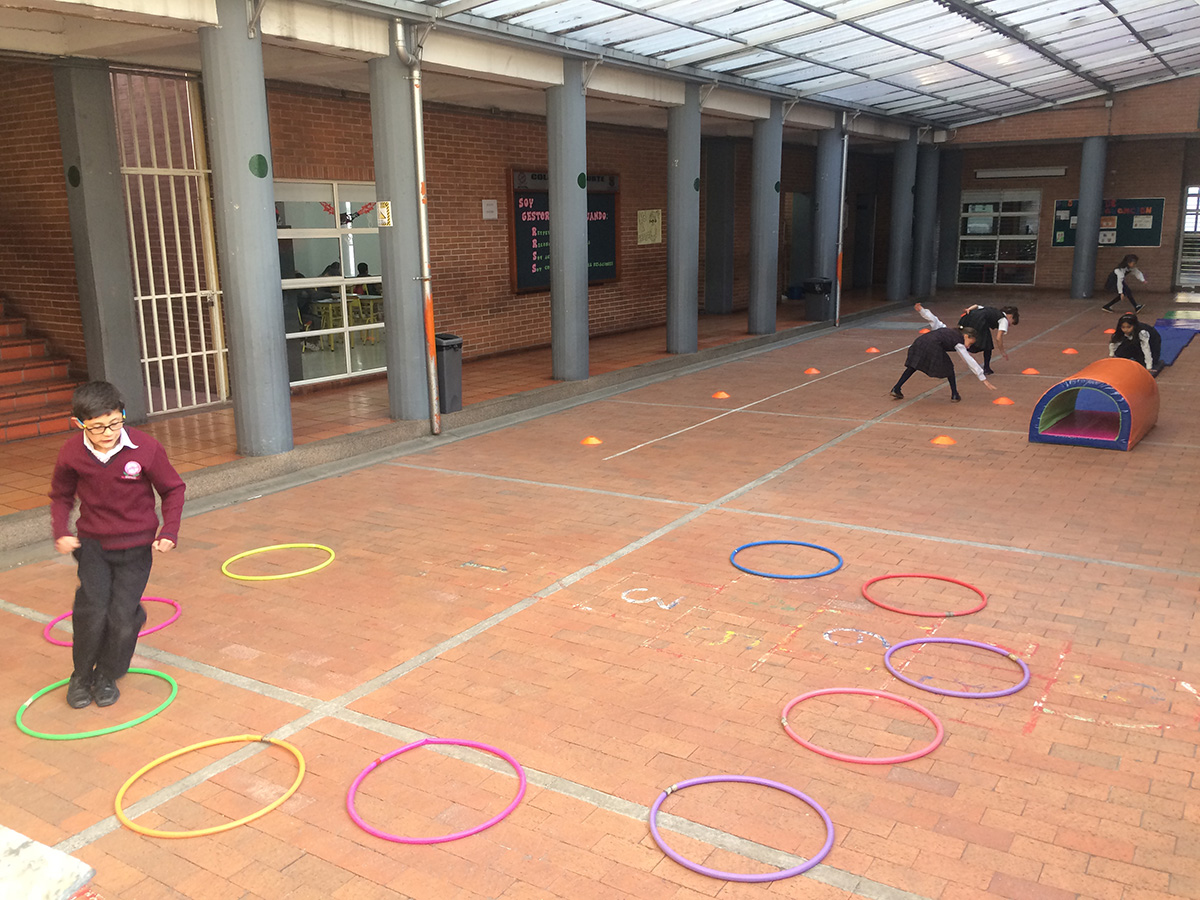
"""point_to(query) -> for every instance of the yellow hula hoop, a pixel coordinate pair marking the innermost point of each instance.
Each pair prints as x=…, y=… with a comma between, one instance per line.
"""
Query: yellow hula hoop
x=151, y=832
x=316, y=568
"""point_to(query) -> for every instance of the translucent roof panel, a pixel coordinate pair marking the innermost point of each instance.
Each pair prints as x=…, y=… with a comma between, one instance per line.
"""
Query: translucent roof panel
x=937, y=62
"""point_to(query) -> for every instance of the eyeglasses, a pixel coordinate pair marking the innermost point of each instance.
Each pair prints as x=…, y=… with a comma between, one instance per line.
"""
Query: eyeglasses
x=104, y=429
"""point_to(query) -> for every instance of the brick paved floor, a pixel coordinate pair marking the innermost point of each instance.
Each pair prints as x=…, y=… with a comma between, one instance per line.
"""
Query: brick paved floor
x=575, y=606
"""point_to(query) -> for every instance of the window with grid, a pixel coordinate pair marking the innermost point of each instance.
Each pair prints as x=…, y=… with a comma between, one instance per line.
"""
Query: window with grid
x=998, y=237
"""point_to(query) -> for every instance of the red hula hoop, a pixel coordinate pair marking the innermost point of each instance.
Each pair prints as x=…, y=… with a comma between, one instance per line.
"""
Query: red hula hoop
x=399, y=839
x=936, y=615
x=159, y=627
x=867, y=760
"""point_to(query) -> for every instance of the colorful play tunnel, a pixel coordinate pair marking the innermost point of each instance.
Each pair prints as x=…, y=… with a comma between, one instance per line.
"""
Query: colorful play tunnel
x=1110, y=404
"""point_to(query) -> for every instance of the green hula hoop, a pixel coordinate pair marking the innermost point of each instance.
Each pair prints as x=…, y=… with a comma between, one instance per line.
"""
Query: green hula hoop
x=318, y=567
x=79, y=735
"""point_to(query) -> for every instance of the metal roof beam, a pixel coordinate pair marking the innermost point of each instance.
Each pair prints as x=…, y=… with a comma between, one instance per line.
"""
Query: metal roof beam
x=969, y=11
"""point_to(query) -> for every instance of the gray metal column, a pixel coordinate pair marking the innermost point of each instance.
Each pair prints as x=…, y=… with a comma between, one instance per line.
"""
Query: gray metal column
x=566, y=126
x=1087, y=222
x=720, y=199
x=949, y=215
x=396, y=180
x=764, y=221
x=235, y=114
x=828, y=196
x=904, y=176
x=683, y=222
x=96, y=206
x=925, y=220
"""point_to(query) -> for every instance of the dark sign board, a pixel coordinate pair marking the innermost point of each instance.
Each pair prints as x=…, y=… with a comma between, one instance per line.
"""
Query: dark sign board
x=531, y=230
x=1123, y=223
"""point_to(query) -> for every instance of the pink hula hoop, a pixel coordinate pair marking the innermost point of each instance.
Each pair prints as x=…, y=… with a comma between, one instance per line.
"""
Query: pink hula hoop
x=350, y=807
x=867, y=760
x=159, y=627
x=938, y=615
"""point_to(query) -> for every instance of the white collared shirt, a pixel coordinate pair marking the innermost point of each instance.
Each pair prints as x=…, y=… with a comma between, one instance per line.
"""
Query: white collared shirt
x=103, y=456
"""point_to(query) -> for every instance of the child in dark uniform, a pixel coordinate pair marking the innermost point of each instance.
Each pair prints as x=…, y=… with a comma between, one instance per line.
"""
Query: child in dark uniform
x=1137, y=341
x=930, y=353
x=115, y=472
x=1118, y=283
x=985, y=320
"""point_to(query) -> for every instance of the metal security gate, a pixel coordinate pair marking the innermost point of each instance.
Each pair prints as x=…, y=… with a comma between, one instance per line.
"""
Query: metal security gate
x=1188, y=276
x=164, y=169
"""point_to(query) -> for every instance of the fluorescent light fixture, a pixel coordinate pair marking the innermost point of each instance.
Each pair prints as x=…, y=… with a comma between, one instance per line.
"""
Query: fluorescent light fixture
x=1030, y=172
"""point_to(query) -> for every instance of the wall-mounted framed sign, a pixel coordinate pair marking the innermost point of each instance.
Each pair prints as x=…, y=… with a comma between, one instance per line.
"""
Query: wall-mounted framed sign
x=1123, y=223
x=531, y=229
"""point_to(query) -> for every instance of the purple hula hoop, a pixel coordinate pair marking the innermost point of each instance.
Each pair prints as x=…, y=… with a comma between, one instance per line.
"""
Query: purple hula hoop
x=734, y=876
x=449, y=837
x=159, y=627
x=973, y=695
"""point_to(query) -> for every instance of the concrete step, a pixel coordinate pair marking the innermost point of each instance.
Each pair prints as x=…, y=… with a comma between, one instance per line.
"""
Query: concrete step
x=22, y=371
x=30, y=395
x=22, y=348
x=25, y=423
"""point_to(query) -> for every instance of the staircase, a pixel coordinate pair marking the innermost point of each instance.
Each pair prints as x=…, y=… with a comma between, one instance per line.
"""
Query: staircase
x=35, y=390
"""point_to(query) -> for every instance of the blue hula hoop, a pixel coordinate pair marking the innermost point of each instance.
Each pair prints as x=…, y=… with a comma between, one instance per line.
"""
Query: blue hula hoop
x=737, y=565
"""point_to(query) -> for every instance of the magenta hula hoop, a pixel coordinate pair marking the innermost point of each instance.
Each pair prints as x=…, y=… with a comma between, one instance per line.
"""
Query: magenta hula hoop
x=159, y=627
x=358, y=820
x=868, y=760
x=909, y=612
x=974, y=695
x=735, y=876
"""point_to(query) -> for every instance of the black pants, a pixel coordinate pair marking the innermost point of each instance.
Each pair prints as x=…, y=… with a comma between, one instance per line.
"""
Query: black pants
x=108, y=611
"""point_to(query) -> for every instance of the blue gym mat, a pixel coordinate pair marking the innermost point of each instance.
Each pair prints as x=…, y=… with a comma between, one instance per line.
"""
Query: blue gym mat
x=1175, y=334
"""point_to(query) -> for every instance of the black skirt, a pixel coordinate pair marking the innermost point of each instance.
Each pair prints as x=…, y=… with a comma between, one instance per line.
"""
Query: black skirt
x=980, y=321
x=929, y=353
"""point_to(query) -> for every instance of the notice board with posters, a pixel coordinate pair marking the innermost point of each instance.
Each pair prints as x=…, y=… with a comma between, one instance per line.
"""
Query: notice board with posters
x=531, y=230
x=1123, y=223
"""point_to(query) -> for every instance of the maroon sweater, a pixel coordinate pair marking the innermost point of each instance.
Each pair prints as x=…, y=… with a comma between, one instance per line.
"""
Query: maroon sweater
x=116, y=499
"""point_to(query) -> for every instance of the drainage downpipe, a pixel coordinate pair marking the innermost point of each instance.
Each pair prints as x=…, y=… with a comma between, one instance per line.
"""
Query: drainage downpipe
x=837, y=297
x=413, y=61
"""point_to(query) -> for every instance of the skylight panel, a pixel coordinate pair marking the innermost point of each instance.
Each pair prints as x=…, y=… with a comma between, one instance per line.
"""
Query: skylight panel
x=707, y=50
x=745, y=18
x=665, y=41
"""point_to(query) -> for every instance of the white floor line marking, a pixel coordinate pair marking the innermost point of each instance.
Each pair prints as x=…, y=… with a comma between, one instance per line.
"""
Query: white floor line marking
x=748, y=406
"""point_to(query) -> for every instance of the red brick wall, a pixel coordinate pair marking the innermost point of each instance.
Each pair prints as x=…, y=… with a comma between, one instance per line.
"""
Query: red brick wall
x=1134, y=168
x=37, y=261
x=1169, y=108
x=468, y=159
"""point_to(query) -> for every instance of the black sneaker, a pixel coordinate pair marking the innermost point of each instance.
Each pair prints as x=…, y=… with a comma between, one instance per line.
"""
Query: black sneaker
x=79, y=692
x=954, y=398
x=896, y=395
x=1107, y=308
x=1138, y=307
x=988, y=372
x=104, y=691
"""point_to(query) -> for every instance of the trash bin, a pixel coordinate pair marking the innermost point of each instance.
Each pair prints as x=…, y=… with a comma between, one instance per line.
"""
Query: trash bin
x=818, y=299
x=449, y=371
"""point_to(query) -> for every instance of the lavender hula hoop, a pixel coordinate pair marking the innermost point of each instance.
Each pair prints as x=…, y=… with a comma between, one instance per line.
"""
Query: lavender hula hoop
x=159, y=627
x=449, y=837
x=734, y=876
x=973, y=695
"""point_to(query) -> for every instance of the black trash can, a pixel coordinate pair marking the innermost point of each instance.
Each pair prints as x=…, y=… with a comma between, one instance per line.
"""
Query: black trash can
x=449, y=371
x=818, y=299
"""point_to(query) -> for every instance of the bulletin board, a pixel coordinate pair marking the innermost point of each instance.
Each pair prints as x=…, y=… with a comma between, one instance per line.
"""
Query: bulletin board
x=531, y=229
x=1123, y=223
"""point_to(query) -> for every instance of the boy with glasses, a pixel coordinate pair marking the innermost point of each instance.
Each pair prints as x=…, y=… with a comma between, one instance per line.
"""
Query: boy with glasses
x=114, y=471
